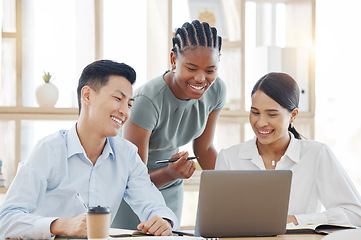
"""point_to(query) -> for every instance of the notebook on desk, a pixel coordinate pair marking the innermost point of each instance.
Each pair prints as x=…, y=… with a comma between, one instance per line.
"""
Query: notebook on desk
x=237, y=203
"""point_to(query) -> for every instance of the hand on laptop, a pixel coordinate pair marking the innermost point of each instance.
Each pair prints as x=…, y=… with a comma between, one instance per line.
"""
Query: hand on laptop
x=182, y=168
x=156, y=226
x=292, y=219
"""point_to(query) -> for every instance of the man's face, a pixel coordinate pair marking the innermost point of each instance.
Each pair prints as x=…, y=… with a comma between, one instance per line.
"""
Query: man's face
x=110, y=106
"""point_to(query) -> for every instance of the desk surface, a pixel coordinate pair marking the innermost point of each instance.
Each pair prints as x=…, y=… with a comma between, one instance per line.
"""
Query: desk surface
x=280, y=237
x=283, y=237
x=114, y=231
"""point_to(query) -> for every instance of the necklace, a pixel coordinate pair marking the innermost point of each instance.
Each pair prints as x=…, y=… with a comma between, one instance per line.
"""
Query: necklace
x=273, y=162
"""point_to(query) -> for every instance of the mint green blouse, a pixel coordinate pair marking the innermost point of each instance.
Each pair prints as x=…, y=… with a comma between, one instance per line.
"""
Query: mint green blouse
x=173, y=123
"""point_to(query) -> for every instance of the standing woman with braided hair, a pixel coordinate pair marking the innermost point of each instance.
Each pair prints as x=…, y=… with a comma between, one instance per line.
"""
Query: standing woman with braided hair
x=176, y=108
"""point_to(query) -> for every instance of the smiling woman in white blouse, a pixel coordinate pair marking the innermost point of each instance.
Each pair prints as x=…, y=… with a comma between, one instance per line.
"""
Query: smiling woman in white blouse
x=321, y=191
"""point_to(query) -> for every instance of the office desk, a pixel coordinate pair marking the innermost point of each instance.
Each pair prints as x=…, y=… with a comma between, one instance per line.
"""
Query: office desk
x=114, y=231
x=280, y=237
x=283, y=237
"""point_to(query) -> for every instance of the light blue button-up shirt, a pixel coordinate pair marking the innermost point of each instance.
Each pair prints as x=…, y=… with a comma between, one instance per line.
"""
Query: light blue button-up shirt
x=46, y=185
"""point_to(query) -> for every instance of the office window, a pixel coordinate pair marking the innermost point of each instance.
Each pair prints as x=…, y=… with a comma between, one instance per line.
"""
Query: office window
x=7, y=151
x=273, y=45
x=39, y=35
x=58, y=37
x=8, y=54
x=125, y=35
x=8, y=16
x=8, y=73
x=338, y=50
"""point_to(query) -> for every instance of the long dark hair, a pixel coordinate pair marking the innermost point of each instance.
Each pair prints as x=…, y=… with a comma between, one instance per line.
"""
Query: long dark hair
x=282, y=88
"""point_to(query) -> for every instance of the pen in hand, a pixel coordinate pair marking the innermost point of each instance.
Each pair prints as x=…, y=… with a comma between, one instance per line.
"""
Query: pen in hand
x=82, y=201
x=173, y=160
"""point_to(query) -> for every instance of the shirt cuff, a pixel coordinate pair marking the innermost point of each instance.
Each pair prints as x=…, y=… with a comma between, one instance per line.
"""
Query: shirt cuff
x=170, y=221
x=42, y=227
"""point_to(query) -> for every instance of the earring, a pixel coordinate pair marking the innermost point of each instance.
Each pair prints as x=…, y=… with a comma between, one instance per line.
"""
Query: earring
x=173, y=70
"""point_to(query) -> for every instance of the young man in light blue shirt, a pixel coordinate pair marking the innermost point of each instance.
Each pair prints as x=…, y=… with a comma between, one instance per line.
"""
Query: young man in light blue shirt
x=86, y=160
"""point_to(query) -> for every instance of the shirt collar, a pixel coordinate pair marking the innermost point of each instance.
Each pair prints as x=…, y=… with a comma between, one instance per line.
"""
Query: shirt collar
x=73, y=143
x=107, y=150
x=293, y=151
x=74, y=146
x=249, y=150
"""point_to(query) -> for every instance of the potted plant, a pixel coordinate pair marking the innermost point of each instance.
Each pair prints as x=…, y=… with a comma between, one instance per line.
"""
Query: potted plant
x=47, y=93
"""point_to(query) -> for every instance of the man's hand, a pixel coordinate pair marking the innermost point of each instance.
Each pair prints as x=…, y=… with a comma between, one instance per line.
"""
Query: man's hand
x=156, y=226
x=75, y=226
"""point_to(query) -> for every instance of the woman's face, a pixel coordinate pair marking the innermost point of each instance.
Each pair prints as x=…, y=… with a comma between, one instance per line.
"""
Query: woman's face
x=195, y=71
x=269, y=120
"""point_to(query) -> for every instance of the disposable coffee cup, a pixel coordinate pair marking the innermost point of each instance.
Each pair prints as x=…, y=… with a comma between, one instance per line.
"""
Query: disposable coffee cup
x=98, y=223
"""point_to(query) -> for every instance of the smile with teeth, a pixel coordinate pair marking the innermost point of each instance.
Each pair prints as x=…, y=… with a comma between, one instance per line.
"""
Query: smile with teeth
x=196, y=87
x=117, y=120
x=265, y=132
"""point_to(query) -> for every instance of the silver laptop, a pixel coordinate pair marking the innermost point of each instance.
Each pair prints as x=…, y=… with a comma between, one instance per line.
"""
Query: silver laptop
x=237, y=203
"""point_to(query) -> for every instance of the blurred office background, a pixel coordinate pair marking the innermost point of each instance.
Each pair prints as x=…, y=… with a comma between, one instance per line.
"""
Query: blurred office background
x=316, y=41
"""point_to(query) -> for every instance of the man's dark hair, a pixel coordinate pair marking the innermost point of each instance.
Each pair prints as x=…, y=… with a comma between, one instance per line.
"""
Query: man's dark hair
x=96, y=75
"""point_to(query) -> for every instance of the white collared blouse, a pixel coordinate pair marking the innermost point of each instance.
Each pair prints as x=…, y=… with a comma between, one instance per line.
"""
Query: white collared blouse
x=321, y=191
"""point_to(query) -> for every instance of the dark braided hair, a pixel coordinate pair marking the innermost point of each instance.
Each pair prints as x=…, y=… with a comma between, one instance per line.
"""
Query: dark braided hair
x=196, y=34
x=282, y=88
